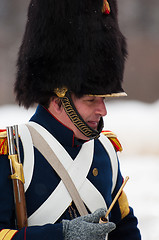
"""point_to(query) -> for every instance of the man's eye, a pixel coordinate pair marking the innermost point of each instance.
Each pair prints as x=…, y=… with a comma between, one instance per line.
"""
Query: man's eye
x=89, y=99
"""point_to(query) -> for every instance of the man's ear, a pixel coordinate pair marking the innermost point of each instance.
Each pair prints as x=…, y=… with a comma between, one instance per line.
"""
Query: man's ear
x=55, y=105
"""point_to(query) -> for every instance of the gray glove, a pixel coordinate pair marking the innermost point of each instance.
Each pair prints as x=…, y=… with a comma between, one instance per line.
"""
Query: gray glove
x=87, y=227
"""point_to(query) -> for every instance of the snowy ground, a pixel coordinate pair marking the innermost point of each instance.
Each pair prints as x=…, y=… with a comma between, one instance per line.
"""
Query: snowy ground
x=136, y=125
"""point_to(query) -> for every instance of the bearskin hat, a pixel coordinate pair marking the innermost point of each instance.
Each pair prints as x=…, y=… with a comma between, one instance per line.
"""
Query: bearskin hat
x=70, y=43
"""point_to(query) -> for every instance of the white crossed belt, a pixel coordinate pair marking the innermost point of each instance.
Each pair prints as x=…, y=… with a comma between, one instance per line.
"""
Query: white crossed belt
x=60, y=199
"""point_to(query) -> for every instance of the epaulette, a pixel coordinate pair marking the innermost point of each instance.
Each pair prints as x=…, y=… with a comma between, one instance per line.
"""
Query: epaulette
x=3, y=142
x=114, y=140
x=7, y=234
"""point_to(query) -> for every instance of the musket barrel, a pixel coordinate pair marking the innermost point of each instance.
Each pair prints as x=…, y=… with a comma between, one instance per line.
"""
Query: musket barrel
x=10, y=144
x=17, y=141
x=10, y=137
x=17, y=177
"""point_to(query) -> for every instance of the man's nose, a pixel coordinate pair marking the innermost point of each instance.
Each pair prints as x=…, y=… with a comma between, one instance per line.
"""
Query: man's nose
x=102, y=108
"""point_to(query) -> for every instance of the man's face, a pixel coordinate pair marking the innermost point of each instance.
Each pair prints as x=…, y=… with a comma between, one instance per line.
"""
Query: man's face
x=91, y=110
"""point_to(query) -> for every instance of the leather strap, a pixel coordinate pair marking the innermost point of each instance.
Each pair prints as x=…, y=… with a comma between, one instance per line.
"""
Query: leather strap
x=28, y=166
x=46, y=151
x=113, y=158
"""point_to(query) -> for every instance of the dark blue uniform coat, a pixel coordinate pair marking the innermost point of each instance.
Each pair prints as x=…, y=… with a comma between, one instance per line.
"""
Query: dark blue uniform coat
x=45, y=181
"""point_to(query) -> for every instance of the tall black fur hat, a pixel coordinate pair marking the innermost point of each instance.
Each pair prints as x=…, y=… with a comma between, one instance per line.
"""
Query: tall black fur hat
x=72, y=44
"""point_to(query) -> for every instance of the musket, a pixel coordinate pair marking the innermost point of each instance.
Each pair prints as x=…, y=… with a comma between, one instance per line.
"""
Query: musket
x=17, y=176
x=104, y=219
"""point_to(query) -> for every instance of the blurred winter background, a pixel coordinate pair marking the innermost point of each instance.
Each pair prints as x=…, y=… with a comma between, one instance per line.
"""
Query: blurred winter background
x=134, y=119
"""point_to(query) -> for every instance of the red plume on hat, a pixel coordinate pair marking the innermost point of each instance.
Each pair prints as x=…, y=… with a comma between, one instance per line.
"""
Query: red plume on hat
x=72, y=44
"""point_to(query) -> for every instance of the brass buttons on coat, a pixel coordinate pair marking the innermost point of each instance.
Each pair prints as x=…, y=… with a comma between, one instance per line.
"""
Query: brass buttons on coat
x=95, y=172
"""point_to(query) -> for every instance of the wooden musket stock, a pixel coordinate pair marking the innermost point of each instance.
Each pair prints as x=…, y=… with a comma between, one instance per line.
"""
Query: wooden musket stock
x=17, y=177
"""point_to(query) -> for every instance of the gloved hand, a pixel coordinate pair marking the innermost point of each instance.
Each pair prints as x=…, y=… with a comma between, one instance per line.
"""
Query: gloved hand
x=87, y=227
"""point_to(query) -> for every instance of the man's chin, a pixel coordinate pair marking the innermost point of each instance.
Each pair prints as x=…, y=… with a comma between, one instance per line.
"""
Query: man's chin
x=94, y=126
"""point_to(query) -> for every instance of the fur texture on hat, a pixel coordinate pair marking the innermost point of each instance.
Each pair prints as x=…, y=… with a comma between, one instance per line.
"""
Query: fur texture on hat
x=73, y=44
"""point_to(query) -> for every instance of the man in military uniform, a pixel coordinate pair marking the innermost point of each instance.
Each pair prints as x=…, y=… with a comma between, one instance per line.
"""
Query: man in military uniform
x=71, y=58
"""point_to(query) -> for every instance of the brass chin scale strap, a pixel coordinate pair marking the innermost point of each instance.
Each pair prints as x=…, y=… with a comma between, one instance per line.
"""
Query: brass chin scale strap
x=77, y=119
